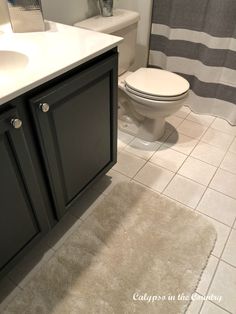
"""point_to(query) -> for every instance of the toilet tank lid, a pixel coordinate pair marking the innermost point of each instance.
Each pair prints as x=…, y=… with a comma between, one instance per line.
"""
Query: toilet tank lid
x=109, y=25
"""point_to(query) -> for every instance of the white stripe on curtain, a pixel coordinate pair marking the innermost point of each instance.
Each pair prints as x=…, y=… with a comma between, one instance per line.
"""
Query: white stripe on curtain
x=204, y=73
x=195, y=37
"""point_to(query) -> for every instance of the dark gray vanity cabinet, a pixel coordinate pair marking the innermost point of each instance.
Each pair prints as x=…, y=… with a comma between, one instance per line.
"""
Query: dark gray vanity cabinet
x=22, y=217
x=55, y=141
x=76, y=127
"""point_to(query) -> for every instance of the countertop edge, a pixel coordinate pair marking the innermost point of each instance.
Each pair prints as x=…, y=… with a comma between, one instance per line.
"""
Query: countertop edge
x=10, y=92
x=51, y=76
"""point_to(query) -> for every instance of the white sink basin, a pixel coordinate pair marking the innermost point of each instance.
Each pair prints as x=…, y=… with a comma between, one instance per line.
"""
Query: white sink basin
x=12, y=62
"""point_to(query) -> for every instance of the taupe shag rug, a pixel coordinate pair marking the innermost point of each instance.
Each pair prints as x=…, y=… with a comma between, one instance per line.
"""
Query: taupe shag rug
x=136, y=248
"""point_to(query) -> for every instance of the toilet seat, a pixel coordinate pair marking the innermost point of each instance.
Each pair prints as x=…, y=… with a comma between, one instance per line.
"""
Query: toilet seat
x=155, y=84
x=155, y=98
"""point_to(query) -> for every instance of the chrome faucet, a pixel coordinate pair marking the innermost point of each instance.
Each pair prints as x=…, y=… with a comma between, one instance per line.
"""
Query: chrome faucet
x=26, y=15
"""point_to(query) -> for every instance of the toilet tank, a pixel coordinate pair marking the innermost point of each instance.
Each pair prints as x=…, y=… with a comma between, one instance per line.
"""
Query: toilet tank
x=123, y=23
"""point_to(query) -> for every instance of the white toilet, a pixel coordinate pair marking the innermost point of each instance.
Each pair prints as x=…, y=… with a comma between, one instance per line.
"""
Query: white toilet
x=148, y=95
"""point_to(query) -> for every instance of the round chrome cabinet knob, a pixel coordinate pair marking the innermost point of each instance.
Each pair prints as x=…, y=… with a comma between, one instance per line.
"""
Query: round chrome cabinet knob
x=44, y=107
x=16, y=123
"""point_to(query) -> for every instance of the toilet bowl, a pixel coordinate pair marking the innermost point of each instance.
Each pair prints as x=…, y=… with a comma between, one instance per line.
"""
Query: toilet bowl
x=148, y=95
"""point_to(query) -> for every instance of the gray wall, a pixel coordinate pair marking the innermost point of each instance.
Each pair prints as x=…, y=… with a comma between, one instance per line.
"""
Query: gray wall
x=70, y=11
x=3, y=12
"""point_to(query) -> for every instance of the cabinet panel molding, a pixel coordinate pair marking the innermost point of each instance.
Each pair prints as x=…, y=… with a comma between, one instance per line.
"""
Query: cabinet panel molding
x=76, y=126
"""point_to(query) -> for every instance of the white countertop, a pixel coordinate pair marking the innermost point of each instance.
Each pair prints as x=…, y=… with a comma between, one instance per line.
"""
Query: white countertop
x=47, y=54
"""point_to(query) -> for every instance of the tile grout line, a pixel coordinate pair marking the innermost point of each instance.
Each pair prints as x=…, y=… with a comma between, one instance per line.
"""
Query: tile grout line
x=218, y=306
x=217, y=168
x=207, y=126
x=163, y=191
x=218, y=146
x=226, y=154
x=223, y=223
x=228, y=262
x=146, y=160
x=206, y=162
x=207, y=187
x=199, y=311
x=217, y=266
x=147, y=187
x=219, y=130
x=155, y=164
x=214, y=189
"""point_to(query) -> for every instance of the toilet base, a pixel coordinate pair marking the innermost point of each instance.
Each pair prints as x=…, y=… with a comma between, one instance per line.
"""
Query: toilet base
x=149, y=129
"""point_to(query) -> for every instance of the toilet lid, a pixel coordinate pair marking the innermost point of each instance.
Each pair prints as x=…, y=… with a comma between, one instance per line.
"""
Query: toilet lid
x=155, y=98
x=155, y=82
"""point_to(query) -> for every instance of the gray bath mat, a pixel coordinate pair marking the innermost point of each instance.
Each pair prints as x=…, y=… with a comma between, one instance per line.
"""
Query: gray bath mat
x=135, y=252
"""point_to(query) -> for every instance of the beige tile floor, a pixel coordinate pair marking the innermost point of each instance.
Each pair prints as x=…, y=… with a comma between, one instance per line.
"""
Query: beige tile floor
x=194, y=164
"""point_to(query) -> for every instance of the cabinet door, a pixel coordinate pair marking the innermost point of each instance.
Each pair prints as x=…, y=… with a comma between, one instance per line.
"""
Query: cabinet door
x=76, y=125
x=21, y=213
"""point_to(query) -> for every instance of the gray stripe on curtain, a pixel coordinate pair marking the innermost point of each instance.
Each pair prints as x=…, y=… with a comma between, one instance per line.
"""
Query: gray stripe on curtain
x=196, y=51
x=193, y=14
x=197, y=39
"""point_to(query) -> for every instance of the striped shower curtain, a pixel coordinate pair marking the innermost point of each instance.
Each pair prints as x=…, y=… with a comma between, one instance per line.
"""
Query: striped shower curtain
x=197, y=39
